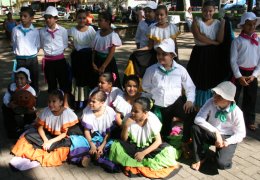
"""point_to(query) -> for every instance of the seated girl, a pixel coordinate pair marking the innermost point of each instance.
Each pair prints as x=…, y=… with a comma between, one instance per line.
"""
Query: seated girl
x=48, y=145
x=141, y=151
x=106, y=82
x=123, y=103
x=98, y=120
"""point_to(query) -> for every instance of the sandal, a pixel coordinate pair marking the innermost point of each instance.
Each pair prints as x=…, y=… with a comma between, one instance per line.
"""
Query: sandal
x=251, y=127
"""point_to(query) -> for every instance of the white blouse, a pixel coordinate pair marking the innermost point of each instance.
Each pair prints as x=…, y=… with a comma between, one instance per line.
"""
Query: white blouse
x=102, y=124
x=104, y=43
x=145, y=136
x=141, y=33
x=82, y=40
x=158, y=34
x=57, y=124
x=210, y=31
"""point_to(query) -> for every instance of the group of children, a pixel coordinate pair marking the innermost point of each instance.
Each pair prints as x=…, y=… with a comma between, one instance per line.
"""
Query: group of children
x=128, y=129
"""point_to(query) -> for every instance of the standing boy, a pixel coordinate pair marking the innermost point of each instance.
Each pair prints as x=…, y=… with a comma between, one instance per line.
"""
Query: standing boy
x=26, y=43
x=245, y=63
x=54, y=40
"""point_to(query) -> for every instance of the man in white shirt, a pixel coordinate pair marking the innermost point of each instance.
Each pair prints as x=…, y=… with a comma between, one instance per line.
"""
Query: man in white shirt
x=219, y=122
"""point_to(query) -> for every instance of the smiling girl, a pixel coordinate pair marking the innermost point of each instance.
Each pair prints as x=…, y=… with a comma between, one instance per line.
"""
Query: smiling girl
x=49, y=145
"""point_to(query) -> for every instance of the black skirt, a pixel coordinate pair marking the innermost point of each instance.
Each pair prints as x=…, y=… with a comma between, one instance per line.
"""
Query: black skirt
x=111, y=67
x=206, y=67
x=81, y=64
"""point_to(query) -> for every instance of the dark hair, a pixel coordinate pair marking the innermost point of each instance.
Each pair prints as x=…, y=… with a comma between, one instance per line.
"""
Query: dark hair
x=80, y=11
x=101, y=95
x=21, y=72
x=29, y=10
x=105, y=15
x=57, y=93
x=132, y=78
x=108, y=77
x=209, y=3
x=163, y=7
x=145, y=102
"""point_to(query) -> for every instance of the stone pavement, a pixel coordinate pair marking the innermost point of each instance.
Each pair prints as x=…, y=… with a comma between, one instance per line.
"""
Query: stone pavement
x=246, y=160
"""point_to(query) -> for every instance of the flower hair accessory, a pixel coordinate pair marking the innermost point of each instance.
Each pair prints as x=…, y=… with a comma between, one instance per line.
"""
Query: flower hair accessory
x=114, y=76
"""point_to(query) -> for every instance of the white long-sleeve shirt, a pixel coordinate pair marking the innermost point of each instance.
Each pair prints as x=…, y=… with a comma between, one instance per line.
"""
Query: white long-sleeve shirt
x=166, y=89
x=26, y=44
x=234, y=126
x=246, y=55
x=54, y=46
x=141, y=33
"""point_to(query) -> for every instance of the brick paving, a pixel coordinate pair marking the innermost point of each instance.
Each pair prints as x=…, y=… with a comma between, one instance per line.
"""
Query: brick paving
x=246, y=160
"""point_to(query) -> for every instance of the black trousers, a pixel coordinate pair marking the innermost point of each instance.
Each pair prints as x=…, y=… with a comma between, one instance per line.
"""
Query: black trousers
x=176, y=110
x=249, y=97
x=223, y=155
x=32, y=66
x=13, y=122
x=56, y=72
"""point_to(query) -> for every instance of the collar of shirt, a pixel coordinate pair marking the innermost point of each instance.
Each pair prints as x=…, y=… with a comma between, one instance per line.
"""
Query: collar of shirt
x=25, y=30
x=163, y=70
x=221, y=114
x=56, y=27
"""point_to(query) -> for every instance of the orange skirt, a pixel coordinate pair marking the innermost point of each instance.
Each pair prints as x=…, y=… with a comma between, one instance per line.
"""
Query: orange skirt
x=153, y=174
x=23, y=148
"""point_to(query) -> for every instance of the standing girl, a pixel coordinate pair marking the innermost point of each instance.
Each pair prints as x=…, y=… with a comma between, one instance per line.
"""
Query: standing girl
x=205, y=65
x=162, y=30
x=106, y=81
x=81, y=62
x=141, y=151
x=104, y=46
x=97, y=120
x=49, y=145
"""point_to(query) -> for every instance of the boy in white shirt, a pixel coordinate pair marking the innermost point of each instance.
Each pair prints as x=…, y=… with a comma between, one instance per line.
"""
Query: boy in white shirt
x=54, y=40
x=26, y=43
x=219, y=122
x=245, y=64
x=165, y=81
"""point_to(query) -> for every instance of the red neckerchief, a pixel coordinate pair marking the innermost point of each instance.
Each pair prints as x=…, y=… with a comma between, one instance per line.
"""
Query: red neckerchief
x=23, y=88
x=252, y=38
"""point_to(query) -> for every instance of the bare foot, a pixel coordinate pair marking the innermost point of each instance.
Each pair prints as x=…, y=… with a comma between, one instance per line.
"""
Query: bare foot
x=196, y=166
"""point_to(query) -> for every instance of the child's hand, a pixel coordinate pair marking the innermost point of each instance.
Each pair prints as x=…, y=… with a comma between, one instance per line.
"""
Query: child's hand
x=46, y=145
x=139, y=156
x=100, y=150
x=101, y=69
x=188, y=107
x=243, y=81
x=219, y=140
x=250, y=79
x=128, y=122
x=95, y=67
x=93, y=149
x=225, y=144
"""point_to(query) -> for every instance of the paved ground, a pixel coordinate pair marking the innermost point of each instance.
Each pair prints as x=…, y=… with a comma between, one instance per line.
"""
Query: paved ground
x=246, y=160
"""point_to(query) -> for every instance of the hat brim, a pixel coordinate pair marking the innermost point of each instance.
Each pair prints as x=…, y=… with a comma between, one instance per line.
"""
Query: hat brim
x=159, y=46
x=222, y=94
x=257, y=22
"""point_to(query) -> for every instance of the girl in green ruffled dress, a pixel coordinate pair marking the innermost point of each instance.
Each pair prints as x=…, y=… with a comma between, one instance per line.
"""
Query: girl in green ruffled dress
x=141, y=150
